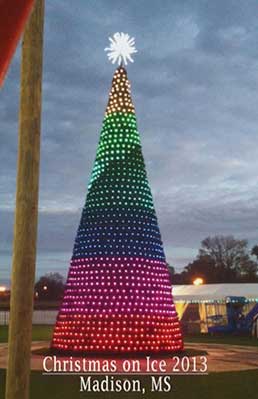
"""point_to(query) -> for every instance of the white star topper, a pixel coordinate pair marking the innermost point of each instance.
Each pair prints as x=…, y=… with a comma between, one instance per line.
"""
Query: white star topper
x=121, y=48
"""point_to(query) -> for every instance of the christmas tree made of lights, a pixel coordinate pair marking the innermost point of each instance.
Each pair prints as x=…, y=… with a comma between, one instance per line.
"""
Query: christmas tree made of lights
x=118, y=295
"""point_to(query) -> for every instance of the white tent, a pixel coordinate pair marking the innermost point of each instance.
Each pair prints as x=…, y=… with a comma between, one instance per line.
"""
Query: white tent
x=214, y=292
x=211, y=299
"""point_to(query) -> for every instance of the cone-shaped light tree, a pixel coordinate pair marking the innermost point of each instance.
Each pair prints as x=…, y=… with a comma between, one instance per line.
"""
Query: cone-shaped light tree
x=118, y=295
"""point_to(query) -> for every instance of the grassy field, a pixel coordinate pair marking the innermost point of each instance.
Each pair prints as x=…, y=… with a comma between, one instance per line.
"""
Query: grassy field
x=239, y=385
x=39, y=333
x=223, y=339
x=44, y=333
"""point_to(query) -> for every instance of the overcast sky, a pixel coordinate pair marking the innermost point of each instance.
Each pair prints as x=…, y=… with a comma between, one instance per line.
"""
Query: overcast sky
x=195, y=89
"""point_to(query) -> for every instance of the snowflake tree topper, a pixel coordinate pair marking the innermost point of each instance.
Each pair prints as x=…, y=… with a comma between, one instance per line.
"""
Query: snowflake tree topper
x=121, y=48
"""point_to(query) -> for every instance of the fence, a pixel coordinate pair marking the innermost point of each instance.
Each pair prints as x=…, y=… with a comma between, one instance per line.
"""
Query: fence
x=39, y=317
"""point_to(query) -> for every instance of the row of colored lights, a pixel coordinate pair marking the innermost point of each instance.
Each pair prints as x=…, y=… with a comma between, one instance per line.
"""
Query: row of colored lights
x=130, y=174
x=155, y=278
x=125, y=212
x=112, y=170
x=73, y=294
x=114, y=348
x=64, y=323
x=106, y=337
x=118, y=243
x=131, y=263
x=71, y=309
x=136, y=184
x=114, y=275
x=117, y=130
x=129, y=234
x=110, y=332
x=106, y=150
x=141, y=319
x=66, y=330
x=119, y=343
x=123, y=250
x=98, y=216
x=102, y=290
x=97, y=308
x=117, y=268
x=128, y=239
x=136, y=235
x=102, y=280
x=123, y=224
x=78, y=252
x=133, y=260
x=126, y=189
x=120, y=258
x=76, y=282
x=112, y=202
x=118, y=194
x=121, y=197
x=81, y=291
x=96, y=220
x=121, y=179
x=69, y=330
x=101, y=300
x=119, y=122
x=115, y=137
x=144, y=339
x=121, y=228
x=163, y=301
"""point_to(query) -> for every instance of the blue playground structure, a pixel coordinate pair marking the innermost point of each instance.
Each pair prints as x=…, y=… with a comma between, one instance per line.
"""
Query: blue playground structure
x=235, y=321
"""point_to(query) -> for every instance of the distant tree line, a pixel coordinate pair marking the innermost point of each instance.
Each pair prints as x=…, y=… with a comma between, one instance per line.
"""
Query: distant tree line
x=221, y=259
x=49, y=287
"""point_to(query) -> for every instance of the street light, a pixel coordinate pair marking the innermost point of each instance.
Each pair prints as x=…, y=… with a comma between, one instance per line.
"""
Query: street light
x=198, y=281
x=3, y=288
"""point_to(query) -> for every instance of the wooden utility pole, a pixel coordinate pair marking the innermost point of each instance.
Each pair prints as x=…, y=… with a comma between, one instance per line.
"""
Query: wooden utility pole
x=25, y=230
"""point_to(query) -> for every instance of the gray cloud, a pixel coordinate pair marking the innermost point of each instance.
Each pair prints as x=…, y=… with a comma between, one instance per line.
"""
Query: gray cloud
x=194, y=84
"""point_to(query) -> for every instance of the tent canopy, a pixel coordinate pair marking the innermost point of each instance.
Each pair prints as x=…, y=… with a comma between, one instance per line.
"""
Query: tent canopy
x=214, y=292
